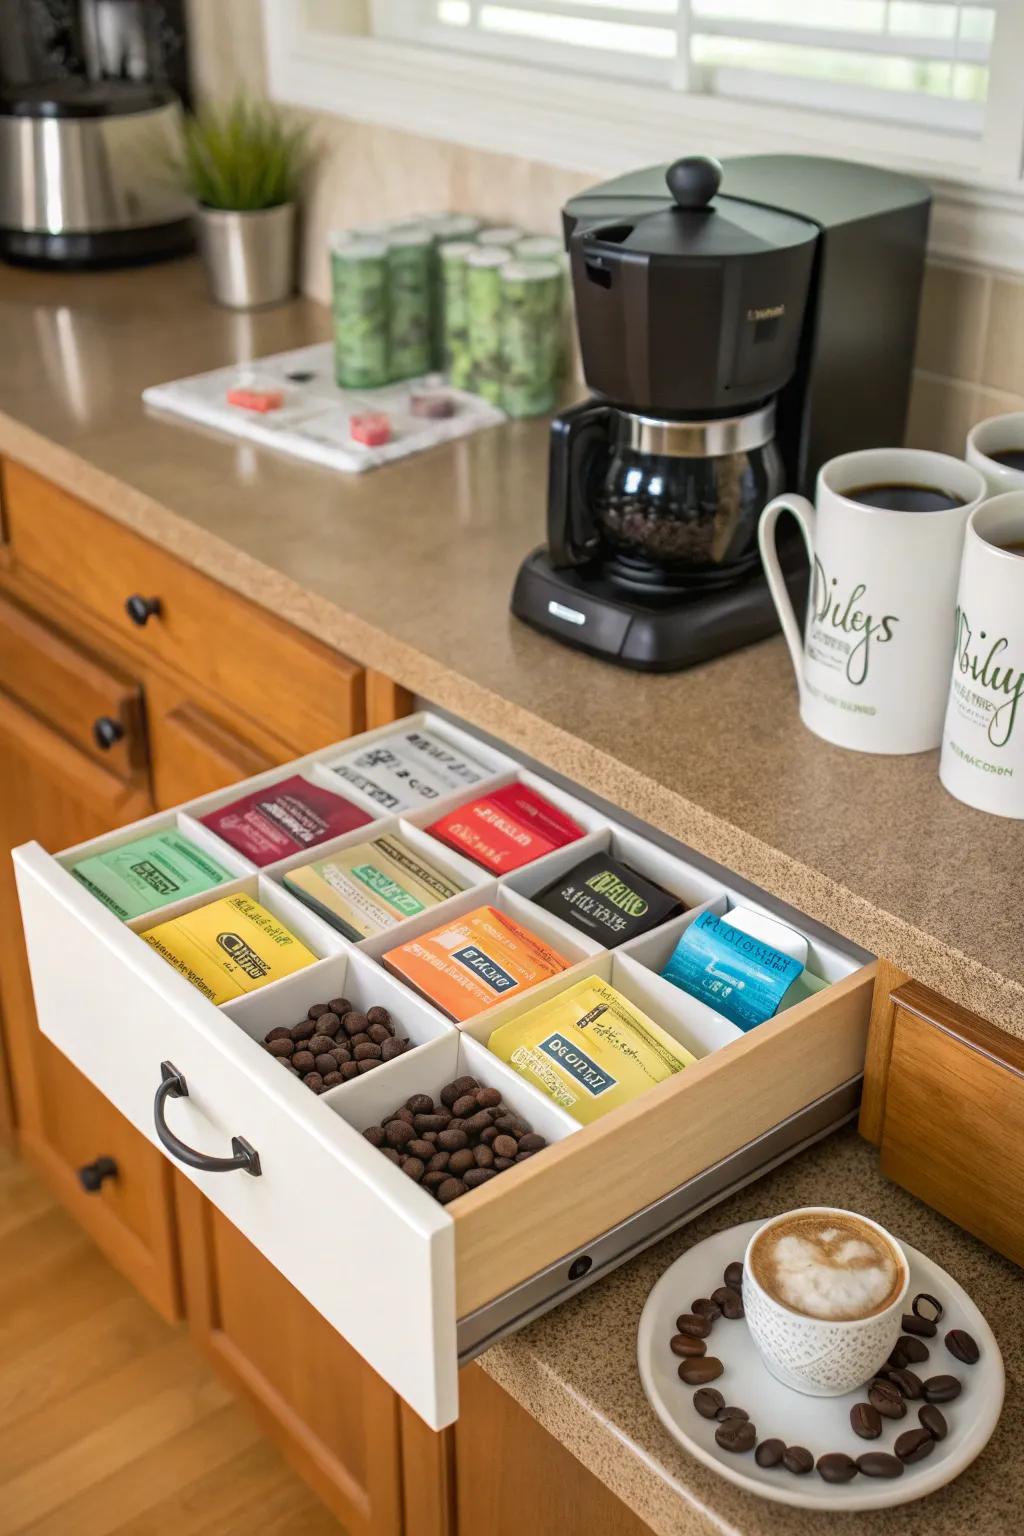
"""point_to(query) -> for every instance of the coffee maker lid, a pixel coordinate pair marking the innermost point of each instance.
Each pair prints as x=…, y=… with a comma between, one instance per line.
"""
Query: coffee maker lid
x=678, y=211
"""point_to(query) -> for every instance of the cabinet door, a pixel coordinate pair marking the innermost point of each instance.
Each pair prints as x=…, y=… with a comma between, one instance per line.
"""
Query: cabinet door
x=52, y=791
x=195, y=746
x=335, y=1419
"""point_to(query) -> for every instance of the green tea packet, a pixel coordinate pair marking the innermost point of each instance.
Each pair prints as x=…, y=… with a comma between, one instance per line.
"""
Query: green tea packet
x=150, y=872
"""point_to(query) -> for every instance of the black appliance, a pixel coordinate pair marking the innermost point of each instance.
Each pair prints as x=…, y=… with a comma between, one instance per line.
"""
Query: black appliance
x=739, y=325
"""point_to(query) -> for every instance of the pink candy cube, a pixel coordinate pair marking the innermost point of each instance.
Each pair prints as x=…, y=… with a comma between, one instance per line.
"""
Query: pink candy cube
x=261, y=400
x=371, y=428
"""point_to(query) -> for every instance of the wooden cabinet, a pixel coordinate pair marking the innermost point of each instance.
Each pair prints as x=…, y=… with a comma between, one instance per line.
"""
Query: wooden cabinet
x=334, y=1418
x=55, y=791
x=194, y=745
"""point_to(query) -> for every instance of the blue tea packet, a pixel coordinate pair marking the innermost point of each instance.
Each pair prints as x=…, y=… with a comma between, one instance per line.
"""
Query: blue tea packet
x=735, y=973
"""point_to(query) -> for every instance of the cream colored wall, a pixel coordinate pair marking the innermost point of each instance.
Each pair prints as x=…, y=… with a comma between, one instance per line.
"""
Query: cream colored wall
x=970, y=356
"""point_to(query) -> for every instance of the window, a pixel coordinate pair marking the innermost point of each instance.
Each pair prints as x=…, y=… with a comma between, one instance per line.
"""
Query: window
x=919, y=61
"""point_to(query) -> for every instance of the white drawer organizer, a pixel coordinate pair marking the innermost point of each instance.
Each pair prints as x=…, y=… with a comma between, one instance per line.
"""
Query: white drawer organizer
x=416, y=1287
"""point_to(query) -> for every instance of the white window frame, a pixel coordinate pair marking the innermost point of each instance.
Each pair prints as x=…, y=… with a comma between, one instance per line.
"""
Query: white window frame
x=601, y=126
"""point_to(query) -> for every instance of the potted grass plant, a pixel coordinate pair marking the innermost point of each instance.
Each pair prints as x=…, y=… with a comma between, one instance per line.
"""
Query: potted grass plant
x=243, y=161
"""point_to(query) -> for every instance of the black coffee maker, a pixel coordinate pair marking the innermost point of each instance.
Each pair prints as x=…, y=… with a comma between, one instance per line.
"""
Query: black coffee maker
x=738, y=326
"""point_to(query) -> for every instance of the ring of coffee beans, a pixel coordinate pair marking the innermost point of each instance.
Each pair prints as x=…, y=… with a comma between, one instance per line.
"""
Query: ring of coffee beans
x=888, y=1393
x=335, y=1043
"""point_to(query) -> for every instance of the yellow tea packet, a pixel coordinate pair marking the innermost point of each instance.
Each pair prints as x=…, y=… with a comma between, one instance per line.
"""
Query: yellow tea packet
x=229, y=947
x=589, y=1049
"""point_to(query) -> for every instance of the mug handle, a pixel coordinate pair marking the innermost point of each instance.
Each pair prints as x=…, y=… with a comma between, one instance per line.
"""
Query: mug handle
x=803, y=511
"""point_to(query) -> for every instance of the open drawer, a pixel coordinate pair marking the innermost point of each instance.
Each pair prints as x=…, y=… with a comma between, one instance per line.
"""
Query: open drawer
x=388, y=1267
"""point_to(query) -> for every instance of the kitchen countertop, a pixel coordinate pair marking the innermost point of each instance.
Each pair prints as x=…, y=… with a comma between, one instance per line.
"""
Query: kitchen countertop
x=409, y=568
x=575, y=1371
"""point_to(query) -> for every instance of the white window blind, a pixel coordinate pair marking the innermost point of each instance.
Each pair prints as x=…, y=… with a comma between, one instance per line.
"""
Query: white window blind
x=921, y=62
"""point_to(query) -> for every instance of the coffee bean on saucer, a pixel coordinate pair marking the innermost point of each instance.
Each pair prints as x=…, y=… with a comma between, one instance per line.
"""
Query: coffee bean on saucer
x=705, y=1307
x=914, y=1445
x=907, y=1383
x=879, y=1464
x=866, y=1421
x=730, y=1411
x=913, y=1350
x=928, y=1307
x=736, y=1435
x=770, y=1452
x=887, y=1398
x=941, y=1389
x=680, y=1343
x=922, y=1326
x=733, y=1275
x=690, y=1322
x=933, y=1421
x=730, y=1301
x=696, y=1373
x=837, y=1467
x=797, y=1459
x=962, y=1347
x=707, y=1401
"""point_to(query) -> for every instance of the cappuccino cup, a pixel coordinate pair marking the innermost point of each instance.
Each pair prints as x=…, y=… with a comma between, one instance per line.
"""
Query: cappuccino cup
x=823, y=1293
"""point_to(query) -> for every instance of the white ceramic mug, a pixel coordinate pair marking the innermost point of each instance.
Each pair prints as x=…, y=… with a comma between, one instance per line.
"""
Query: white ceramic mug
x=996, y=435
x=873, y=666
x=821, y=1357
x=982, y=759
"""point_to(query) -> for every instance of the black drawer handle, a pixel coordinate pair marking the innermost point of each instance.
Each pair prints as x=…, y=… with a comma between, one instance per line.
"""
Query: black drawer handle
x=106, y=732
x=141, y=609
x=174, y=1086
x=92, y=1175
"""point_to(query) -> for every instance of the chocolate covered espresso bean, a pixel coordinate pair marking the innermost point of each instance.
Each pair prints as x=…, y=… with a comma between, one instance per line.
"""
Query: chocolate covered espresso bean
x=690, y=1322
x=837, y=1467
x=922, y=1326
x=941, y=1389
x=905, y=1382
x=962, y=1347
x=797, y=1459
x=912, y=1351
x=914, y=1444
x=731, y=1411
x=737, y=1435
x=879, y=1464
x=733, y=1275
x=696, y=1373
x=730, y=1301
x=705, y=1307
x=707, y=1401
x=681, y=1343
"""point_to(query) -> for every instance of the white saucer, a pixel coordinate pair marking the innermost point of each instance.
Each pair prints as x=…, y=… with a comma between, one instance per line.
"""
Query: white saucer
x=819, y=1423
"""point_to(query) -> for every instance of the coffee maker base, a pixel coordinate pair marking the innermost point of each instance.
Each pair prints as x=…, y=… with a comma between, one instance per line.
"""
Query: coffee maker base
x=583, y=608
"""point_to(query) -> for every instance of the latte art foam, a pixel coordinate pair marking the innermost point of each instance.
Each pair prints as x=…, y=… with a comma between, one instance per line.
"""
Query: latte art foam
x=830, y=1266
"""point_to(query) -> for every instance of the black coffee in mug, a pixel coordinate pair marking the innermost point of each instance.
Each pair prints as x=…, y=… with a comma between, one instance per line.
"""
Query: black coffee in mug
x=1010, y=458
x=905, y=498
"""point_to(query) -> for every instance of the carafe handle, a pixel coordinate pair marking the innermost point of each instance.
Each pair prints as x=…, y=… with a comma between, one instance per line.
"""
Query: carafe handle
x=803, y=511
x=573, y=536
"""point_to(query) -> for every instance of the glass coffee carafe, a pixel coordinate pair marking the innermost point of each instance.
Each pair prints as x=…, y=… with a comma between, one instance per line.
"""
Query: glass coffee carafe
x=677, y=503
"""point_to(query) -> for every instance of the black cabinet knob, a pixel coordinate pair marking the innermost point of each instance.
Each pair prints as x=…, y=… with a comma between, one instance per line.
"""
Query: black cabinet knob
x=105, y=732
x=91, y=1176
x=141, y=609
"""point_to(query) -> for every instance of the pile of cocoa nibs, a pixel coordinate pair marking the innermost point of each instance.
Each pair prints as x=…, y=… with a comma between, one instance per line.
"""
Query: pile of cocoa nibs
x=464, y=1140
x=888, y=1394
x=336, y=1042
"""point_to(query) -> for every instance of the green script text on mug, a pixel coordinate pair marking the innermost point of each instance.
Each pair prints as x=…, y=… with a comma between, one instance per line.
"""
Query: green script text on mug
x=833, y=611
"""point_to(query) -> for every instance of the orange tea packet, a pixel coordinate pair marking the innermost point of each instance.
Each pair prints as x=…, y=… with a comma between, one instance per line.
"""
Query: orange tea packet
x=474, y=961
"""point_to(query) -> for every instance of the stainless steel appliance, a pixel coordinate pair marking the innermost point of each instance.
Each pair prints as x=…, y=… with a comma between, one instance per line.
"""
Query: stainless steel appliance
x=84, y=172
x=736, y=333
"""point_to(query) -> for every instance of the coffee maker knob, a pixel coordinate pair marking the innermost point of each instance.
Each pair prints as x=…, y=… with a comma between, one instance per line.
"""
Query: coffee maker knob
x=694, y=180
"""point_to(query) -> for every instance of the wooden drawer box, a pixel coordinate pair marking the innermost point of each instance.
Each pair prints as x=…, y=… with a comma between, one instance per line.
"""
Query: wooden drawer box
x=389, y=1268
x=265, y=668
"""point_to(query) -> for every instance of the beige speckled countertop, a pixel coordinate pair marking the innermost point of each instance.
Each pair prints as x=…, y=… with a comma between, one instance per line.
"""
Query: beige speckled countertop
x=409, y=569
x=575, y=1370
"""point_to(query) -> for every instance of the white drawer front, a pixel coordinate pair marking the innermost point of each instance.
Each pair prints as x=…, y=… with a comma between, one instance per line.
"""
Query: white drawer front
x=345, y=1227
